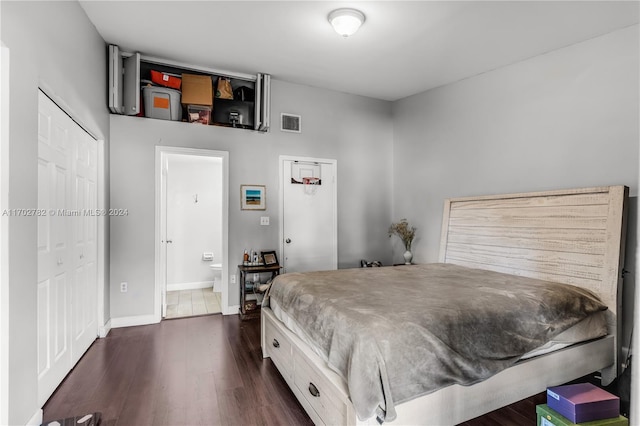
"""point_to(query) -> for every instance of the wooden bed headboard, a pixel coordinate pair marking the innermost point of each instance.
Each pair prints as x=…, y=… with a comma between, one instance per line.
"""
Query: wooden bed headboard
x=574, y=236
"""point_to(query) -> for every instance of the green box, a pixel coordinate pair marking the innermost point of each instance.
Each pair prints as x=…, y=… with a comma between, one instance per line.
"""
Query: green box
x=549, y=417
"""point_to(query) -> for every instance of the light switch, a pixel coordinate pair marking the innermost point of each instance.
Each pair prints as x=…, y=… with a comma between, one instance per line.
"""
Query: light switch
x=264, y=220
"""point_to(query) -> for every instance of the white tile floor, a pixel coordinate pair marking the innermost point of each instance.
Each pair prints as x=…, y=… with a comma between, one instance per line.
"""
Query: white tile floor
x=187, y=303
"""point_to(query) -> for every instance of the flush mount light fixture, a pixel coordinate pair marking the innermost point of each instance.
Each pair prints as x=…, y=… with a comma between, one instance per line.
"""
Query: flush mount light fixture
x=346, y=21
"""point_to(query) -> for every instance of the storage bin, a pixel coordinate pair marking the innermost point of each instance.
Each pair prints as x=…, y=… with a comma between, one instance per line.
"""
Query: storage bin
x=199, y=114
x=167, y=80
x=162, y=103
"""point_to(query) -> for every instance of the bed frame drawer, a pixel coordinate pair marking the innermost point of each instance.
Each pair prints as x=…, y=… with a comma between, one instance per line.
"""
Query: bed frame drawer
x=278, y=347
x=325, y=399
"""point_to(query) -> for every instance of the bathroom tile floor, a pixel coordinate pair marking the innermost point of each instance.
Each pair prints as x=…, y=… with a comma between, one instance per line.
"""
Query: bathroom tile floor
x=187, y=303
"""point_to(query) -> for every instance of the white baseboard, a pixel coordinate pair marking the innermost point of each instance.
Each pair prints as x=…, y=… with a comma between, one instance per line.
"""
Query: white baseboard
x=231, y=310
x=36, y=419
x=104, y=330
x=190, y=286
x=133, y=321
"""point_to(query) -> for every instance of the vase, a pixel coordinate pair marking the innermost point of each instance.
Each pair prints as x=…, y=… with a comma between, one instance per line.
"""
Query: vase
x=407, y=257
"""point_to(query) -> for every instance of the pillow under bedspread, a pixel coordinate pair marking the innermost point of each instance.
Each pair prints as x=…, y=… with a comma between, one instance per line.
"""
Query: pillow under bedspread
x=397, y=333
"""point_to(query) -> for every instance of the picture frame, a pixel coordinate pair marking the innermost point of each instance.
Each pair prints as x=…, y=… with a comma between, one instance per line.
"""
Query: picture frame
x=269, y=258
x=253, y=197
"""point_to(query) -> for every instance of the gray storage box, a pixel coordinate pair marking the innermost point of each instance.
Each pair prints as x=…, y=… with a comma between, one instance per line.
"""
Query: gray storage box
x=162, y=103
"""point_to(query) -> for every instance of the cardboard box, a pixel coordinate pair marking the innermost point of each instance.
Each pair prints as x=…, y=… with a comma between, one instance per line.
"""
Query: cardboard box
x=548, y=417
x=583, y=402
x=197, y=90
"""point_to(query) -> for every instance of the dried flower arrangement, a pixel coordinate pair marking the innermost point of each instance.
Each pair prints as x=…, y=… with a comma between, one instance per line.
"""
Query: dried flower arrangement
x=404, y=232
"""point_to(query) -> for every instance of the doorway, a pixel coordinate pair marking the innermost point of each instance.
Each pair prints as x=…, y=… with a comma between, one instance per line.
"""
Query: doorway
x=309, y=214
x=191, y=232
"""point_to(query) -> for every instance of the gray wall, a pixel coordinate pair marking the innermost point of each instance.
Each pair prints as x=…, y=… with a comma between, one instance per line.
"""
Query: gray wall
x=356, y=131
x=565, y=119
x=51, y=44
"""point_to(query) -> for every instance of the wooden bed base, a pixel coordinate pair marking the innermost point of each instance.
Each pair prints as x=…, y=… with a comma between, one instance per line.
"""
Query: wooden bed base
x=574, y=236
x=300, y=367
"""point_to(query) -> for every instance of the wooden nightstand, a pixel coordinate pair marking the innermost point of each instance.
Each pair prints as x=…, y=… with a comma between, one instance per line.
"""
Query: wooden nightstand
x=250, y=296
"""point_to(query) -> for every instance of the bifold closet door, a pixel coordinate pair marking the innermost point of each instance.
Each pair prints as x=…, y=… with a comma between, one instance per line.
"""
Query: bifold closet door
x=67, y=273
x=84, y=230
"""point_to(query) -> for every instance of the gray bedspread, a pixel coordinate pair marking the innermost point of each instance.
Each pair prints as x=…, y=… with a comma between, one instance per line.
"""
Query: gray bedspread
x=396, y=333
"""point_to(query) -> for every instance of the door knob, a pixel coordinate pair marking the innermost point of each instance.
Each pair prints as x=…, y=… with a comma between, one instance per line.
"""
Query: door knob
x=169, y=241
x=288, y=240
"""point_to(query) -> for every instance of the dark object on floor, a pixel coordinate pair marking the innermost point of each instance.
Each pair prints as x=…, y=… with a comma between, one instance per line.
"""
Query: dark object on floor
x=621, y=386
x=92, y=419
x=373, y=264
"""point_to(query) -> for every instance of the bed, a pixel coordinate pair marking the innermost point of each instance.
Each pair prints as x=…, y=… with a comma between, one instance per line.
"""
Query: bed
x=573, y=237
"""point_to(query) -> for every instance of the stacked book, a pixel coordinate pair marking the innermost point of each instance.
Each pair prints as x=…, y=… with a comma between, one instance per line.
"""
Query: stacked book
x=580, y=404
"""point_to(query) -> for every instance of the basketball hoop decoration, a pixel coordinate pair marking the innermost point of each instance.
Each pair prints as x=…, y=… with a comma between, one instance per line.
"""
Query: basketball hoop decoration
x=308, y=175
x=310, y=185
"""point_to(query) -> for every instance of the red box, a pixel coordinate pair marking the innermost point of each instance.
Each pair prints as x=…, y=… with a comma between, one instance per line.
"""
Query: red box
x=166, y=80
x=583, y=402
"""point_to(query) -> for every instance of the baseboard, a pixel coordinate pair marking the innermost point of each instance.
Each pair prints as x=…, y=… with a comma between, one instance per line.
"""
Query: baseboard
x=231, y=310
x=36, y=419
x=190, y=286
x=104, y=330
x=133, y=321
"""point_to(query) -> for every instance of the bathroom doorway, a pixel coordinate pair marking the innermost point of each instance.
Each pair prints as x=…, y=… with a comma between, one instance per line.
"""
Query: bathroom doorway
x=192, y=231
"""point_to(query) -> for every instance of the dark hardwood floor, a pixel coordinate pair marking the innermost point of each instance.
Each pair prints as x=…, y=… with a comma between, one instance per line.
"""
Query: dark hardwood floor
x=204, y=370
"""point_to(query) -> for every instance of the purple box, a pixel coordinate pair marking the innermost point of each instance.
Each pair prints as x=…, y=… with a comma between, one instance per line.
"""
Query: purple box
x=583, y=402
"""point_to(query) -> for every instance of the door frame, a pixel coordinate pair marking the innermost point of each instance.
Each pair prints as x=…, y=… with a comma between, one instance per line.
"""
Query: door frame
x=4, y=233
x=281, y=161
x=160, y=215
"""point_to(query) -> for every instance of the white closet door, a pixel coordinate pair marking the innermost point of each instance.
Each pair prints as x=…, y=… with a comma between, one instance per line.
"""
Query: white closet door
x=84, y=294
x=54, y=252
x=67, y=246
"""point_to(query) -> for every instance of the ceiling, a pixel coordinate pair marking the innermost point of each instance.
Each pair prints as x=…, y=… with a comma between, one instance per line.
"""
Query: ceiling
x=403, y=48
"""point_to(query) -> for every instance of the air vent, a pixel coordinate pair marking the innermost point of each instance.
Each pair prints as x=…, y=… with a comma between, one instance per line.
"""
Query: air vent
x=290, y=123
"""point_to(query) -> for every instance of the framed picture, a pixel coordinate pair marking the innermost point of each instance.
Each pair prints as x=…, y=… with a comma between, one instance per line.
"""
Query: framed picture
x=253, y=197
x=269, y=257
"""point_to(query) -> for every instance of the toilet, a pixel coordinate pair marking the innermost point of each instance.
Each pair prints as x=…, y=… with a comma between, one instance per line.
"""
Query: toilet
x=217, y=277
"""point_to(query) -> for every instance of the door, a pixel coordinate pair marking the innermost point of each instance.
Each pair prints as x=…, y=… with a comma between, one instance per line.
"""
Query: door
x=164, y=171
x=309, y=229
x=66, y=245
x=84, y=294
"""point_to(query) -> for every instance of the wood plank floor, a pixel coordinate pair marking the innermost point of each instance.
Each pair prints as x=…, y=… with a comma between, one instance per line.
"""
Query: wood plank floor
x=204, y=370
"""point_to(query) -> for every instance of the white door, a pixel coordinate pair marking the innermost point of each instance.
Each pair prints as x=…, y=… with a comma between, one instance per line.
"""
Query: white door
x=163, y=232
x=67, y=246
x=54, y=251
x=309, y=228
x=84, y=294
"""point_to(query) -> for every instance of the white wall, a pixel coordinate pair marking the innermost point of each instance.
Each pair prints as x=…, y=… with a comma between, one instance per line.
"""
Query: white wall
x=194, y=227
x=569, y=118
x=354, y=130
x=52, y=45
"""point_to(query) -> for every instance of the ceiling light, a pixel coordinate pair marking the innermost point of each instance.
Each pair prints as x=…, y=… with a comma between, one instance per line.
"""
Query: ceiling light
x=346, y=21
